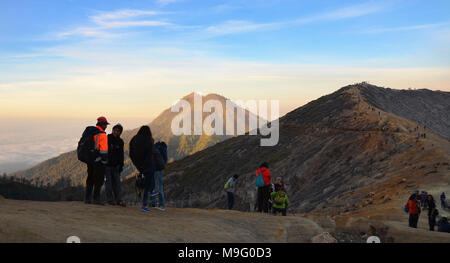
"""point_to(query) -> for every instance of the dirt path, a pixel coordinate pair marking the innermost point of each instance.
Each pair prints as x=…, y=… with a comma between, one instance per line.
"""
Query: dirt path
x=30, y=221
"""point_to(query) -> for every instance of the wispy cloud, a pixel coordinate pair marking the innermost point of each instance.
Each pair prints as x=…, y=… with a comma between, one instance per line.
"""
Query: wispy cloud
x=404, y=28
x=241, y=26
x=97, y=32
x=122, y=18
x=167, y=2
x=123, y=13
x=345, y=13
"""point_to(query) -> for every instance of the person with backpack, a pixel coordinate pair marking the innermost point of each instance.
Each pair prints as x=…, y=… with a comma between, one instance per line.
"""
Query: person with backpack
x=263, y=178
x=432, y=212
x=230, y=187
x=142, y=150
x=114, y=167
x=161, y=148
x=279, y=200
x=413, y=210
x=443, y=225
x=93, y=150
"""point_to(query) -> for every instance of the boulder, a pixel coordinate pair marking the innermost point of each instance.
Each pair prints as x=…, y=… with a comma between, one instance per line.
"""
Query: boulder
x=323, y=238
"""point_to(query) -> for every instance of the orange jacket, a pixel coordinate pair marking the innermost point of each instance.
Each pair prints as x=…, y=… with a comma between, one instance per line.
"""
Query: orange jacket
x=267, y=176
x=413, y=209
x=101, y=143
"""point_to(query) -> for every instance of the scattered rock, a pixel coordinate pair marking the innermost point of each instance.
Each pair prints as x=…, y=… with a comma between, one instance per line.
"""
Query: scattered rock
x=324, y=238
x=328, y=189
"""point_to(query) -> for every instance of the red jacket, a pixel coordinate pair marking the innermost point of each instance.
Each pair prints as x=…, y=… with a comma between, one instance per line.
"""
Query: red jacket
x=266, y=175
x=413, y=209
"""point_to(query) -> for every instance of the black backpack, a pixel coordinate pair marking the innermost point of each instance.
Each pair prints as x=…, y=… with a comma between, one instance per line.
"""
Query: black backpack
x=162, y=148
x=86, y=151
x=159, y=161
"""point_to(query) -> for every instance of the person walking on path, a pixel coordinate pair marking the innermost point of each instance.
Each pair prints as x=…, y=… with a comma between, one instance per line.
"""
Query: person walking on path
x=230, y=187
x=142, y=151
x=96, y=170
x=263, y=179
x=114, y=167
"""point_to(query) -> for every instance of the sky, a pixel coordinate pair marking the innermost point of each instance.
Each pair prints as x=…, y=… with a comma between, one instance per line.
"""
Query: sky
x=129, y=60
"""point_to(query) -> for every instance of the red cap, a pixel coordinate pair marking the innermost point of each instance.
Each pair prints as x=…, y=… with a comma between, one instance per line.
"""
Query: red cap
x=102, y=120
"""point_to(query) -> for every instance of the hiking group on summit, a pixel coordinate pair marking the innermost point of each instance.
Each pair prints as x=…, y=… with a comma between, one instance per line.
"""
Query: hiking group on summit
x=104, y=156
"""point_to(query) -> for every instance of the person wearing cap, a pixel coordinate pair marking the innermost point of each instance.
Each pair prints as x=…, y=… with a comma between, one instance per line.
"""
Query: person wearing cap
x=97, y=171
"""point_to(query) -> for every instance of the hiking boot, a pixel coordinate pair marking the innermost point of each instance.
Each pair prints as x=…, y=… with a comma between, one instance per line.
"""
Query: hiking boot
x=161, y=208
x=145, y=209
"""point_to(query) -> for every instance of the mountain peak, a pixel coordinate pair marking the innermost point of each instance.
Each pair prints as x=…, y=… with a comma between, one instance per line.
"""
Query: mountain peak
x=191, y=95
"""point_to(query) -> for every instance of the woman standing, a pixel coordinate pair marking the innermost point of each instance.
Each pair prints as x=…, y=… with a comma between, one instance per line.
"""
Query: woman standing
x=141, y=154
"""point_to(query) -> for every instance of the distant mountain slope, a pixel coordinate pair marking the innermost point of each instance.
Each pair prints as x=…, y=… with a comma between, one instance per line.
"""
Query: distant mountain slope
x=67, y=164
x=336, y=153
x=429, y=108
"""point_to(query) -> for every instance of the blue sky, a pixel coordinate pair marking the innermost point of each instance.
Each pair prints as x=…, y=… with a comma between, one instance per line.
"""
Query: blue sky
x=140, y=56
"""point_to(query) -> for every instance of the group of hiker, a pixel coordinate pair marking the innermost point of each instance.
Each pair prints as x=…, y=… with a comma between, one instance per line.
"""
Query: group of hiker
x=271, y=197
x=425, y=201
x=104, y=156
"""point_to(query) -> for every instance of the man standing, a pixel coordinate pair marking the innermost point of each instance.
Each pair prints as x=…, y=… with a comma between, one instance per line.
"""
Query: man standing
x=230, y=187
x=96, y=170
x=114, y=166
x=263, y=178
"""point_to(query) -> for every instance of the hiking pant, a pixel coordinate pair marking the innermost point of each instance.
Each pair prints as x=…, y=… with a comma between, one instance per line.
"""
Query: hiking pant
x=279, y=210
x=263, y=199
x=413, y=219
x=94, y=181
x=112, y=184
x=230, y=197
x=149, y=186
x=159, y=186
x=431, y=222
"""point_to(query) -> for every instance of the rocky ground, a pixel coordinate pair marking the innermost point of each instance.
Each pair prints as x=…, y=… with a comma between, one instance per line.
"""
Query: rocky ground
x=32, y=221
